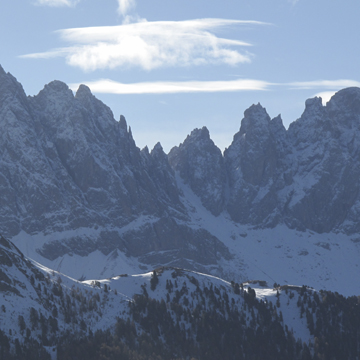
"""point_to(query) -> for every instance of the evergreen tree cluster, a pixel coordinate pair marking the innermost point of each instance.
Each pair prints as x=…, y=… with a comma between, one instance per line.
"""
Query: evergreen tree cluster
x=192, y=320
x=195, y=322
x=334, y=321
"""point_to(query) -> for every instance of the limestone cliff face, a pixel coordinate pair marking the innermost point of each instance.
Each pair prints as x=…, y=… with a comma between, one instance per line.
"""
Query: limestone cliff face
x=256, y=166
x=306, y=177
x=200, y=163
x=325, y=191
x=73, y=174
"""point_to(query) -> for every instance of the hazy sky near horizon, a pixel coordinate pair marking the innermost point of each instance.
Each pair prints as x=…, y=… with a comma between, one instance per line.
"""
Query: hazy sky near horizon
x=172, y=66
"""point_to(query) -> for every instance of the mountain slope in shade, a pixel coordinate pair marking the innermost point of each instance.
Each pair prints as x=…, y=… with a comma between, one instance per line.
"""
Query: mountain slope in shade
x=201, y=165
x=306, y=177
x=78, y=196
x=74, y=177
x=44, y=314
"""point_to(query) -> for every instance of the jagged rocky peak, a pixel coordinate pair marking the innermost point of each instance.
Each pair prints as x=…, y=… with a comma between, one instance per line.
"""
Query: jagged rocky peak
x=319, y=122
x=84, y=95
x=158, y=155
x=314, y=111
x=254, y=131
x=256, y=119
x=57, y=89
x=257, y=125
x=53, y=99
x=344, y=108
x=158, y=151
x=11, y=91
x=198, y=138
x=312, y=125
x=326, y=142
x=123, y=123
x=255, y=162
x=145, y=151
x=202, y=134
x=346, y=99
x=83, y=92
x=201, y=165
x=277, y=122
x=253, y=152
x=314, y=104
x=125, y=130
x=277, y=127
x=101, y=113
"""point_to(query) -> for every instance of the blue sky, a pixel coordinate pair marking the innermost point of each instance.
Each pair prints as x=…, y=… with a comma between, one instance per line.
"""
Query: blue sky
x=172, y=66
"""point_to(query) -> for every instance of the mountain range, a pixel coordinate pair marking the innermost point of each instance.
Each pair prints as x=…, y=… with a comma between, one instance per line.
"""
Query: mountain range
x=75, y=191
x=169, y=313
x=208, y=231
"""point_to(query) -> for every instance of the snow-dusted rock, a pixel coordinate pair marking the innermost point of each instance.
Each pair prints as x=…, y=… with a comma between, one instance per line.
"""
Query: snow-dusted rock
x=306, y=177
x=256, y=166
x=200, y=163
x=74, y=183
x=73, y=175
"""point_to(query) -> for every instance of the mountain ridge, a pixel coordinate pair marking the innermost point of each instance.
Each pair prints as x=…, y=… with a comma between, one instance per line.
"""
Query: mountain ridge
x=186, y=231
x=73, y=184
x=165, y=313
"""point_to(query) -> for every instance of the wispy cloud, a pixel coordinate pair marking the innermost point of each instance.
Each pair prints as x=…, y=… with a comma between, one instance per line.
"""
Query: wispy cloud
x=57, y=3
x=330, y=87
x=151, y=45
x=113, y=87
x=325, y=96
x=324, y=84
x=108, y=86
x=125, y=6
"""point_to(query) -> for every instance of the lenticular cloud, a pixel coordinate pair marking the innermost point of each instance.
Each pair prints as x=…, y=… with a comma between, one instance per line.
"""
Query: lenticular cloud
x=173, y=87
x=151, y=45
x=57, y=3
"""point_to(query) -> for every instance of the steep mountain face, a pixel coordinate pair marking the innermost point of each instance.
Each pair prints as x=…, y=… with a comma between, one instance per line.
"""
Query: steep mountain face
x=326, y=144
x=166, y=313
x=15, y=271
x=256, y=164
x=74, y=183
x=200, y=163
x=67, y=165
x=306, y=177
x=77, y=194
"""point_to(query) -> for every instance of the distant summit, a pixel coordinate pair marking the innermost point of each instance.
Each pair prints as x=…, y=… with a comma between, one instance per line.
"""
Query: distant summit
x=74, y=183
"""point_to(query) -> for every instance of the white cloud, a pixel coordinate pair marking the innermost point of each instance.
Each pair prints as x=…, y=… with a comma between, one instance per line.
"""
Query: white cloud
x=113, y=87
x=151, y=45
x=125, y=6
x=325, y=84
x=332, y=86
x=325, y=96
x=57, y=3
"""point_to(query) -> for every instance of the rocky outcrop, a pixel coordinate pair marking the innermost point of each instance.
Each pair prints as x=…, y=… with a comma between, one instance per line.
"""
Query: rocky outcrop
x=68, y=168
x=306, y=177
x=200, y=163
x=325, y=191
x=73, y=176
x=256, y=164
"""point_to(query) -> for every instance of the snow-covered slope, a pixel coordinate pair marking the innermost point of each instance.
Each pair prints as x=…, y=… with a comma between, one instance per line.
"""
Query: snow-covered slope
x=281, y=205
x=73, y=183
x=328, y=261
x=35, y=298
x=45, y=314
